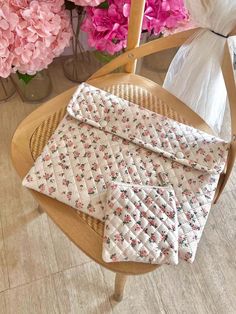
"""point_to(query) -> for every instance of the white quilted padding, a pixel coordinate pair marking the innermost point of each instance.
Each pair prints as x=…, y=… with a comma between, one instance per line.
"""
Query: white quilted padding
x=106, y=139
x=141, y=225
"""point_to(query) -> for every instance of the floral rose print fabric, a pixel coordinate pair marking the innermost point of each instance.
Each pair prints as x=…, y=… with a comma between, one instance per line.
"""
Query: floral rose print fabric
x=110, y=140
x=157, y=133
x=141, y=225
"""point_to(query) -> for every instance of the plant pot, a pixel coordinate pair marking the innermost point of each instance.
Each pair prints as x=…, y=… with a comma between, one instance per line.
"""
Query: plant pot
x=36, y=90
x=7, y=89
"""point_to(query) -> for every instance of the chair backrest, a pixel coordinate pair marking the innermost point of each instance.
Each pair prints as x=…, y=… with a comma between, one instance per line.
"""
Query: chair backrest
x=135, y=52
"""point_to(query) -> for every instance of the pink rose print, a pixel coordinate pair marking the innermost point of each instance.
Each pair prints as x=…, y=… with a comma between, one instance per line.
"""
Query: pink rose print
x=86, y=145
x=83, y=137
x=53, y=148
x=79, y=204
x=90, y=108
x=188, y=256
x=29, y=178
x=148, y=200
x=113, y=257
x=42, y=188
x=51, y=190
x=68, y=195
x=94, y=166
x=146, y=133
x=127, y=219
x=47, y=176
x=91, y=190
x=143, y=253
x=69, y=144
x=114, y=186
x=133, y=242
x=200, y=151
x=143, y=214
x=153, y=238
x=65, y=182
x=165, y=251
x=98, y=178
x=62, y=156
x=91, y=209
x=118, y=211
x=208, y=158
x=118, y=238
x=123, y=195
x=46, y=158
x=187, y=192
x=78, y=178
x=76, y=154
x=81, y=166
x=130, y=170
x=175, y=165
x=171, y=214
x=189, y=216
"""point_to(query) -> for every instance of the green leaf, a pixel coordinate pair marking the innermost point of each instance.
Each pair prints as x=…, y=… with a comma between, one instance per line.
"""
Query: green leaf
x=26, y=78
x=104, y=5
x=103, y=57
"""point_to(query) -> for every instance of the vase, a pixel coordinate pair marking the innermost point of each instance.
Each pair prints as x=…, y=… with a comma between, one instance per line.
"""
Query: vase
x=36, y=90
x=79, y=66
x=7, y=89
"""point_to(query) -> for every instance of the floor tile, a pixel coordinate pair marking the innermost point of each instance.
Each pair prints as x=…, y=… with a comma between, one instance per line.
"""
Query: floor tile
x=67, y=254
x=38, y=297
x=82, y=290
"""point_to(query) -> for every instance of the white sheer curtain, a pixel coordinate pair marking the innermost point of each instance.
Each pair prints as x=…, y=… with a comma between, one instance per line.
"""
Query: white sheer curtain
x=195, y=75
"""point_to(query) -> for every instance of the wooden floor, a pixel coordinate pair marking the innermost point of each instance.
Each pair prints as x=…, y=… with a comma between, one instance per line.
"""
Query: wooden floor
x=41, y=271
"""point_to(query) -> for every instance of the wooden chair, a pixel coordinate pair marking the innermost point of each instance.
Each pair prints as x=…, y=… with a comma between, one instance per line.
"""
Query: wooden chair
x=33, y=133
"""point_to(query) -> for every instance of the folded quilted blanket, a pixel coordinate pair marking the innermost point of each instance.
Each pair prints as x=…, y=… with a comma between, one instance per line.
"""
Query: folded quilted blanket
x=104, y=139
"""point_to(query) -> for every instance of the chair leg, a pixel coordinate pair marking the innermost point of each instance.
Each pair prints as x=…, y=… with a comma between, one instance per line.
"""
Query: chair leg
x=119, y=286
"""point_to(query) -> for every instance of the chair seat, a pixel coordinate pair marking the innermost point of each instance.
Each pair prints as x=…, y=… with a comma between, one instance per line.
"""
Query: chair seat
x=33, y=133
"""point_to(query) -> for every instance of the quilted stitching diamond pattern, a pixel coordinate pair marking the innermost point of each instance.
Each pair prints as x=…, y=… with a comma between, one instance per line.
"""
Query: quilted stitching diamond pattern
x=141, y=225
x=174, y=140
x=80, y=160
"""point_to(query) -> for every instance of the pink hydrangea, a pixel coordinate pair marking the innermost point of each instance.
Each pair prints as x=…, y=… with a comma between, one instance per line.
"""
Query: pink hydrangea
x=84, y=3
x=108, y=28
x=19, y=3
x=32, y=33
x=8, y=22
x=55, y=5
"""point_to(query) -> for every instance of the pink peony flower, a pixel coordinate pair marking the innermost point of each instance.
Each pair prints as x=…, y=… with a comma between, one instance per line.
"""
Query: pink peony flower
x=107, y=28
x=164, y=14
x=84, y=3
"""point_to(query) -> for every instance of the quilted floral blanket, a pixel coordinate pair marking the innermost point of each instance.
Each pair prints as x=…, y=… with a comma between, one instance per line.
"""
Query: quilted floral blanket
x=107, y=141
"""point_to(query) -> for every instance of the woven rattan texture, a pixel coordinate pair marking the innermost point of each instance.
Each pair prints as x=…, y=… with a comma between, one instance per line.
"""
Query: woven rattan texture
x=130, y=92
